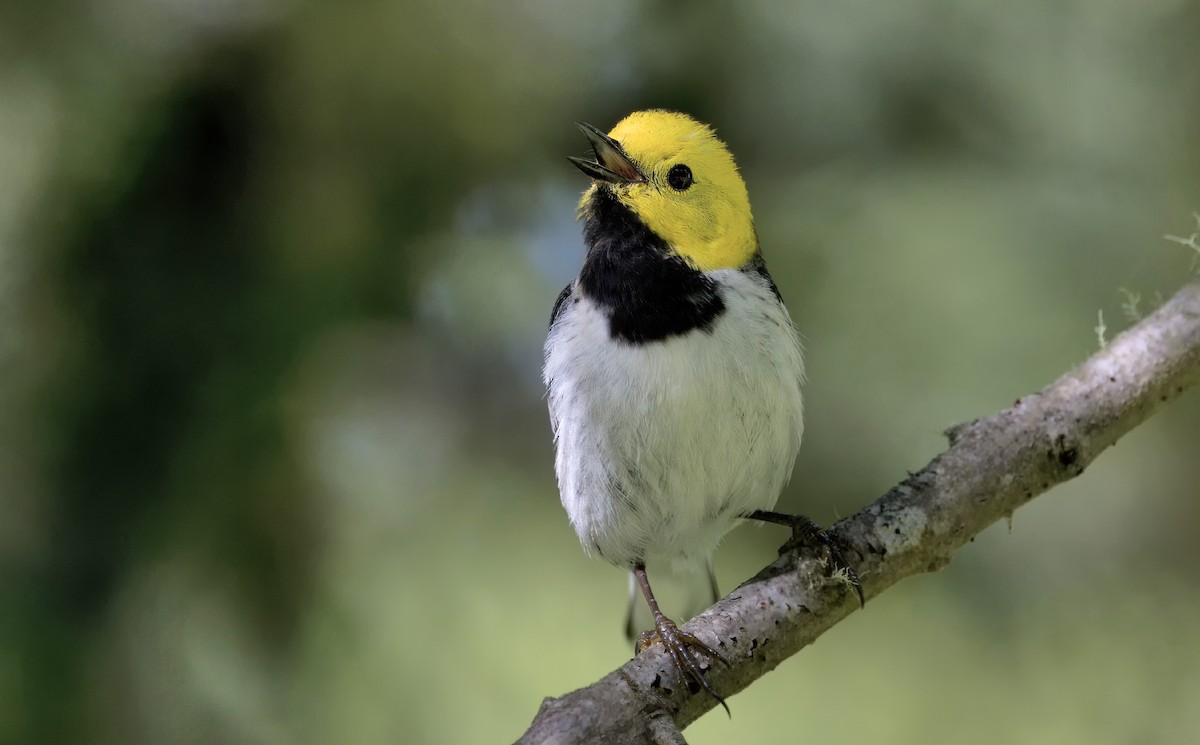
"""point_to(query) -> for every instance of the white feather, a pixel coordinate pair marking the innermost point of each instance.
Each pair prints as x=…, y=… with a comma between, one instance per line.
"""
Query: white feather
x=662, y=446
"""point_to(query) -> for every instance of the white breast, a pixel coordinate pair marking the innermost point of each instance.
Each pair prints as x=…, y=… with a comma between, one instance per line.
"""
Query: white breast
x=661, y=446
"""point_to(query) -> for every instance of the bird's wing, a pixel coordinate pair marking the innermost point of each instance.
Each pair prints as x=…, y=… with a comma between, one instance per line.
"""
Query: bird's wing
x=757, y=265
x=558, y=304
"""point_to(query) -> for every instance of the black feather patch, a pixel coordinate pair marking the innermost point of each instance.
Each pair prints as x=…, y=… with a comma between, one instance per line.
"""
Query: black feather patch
x=560, y=302
x=648, y=292
x=758, y=266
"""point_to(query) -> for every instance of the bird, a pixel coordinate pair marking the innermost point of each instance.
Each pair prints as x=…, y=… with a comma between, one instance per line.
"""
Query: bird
x=672, y=368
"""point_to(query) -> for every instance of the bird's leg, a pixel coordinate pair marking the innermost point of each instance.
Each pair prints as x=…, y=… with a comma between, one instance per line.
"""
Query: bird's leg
x=714, y=591
x=676, y=641
x=805, y=532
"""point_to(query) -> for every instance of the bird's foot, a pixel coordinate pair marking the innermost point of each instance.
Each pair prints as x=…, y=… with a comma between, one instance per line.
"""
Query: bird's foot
x=805, y=532
x=680, y=645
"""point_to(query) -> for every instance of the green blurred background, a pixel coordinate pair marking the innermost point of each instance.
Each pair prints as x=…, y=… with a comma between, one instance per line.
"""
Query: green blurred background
x=274, y=278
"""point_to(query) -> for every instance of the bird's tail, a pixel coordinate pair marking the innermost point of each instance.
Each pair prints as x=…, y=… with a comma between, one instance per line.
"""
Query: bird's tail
x=683, y=590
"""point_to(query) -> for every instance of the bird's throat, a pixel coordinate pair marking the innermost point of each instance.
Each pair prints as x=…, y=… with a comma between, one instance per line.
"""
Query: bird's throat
x=647, y=291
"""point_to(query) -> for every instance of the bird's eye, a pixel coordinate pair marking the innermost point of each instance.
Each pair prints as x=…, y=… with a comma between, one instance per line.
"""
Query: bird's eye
x=679, y=177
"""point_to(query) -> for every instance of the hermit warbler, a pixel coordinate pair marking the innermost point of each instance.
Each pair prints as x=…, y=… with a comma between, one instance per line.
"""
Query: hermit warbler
x=673, y=369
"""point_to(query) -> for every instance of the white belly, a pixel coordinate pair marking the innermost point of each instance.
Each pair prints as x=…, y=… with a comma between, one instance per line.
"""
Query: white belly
x=662, y=446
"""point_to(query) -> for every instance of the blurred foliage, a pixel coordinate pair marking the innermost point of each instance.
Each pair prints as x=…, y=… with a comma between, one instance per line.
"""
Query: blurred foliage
x=274, y=463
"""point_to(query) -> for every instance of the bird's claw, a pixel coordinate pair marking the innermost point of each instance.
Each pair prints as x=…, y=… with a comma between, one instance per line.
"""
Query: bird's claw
x=805, y=532
x=677, y=643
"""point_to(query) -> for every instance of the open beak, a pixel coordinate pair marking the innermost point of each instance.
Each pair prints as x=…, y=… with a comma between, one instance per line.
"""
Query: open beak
x=610, y=165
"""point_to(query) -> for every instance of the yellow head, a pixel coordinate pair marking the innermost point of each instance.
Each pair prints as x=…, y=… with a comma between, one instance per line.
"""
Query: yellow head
x=675, y=175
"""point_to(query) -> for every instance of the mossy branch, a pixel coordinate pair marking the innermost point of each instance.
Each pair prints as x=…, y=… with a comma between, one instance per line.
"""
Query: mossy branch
x=993, y=466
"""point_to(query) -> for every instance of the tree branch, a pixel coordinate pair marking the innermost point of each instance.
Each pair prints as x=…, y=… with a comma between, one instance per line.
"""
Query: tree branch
x=993, y=466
